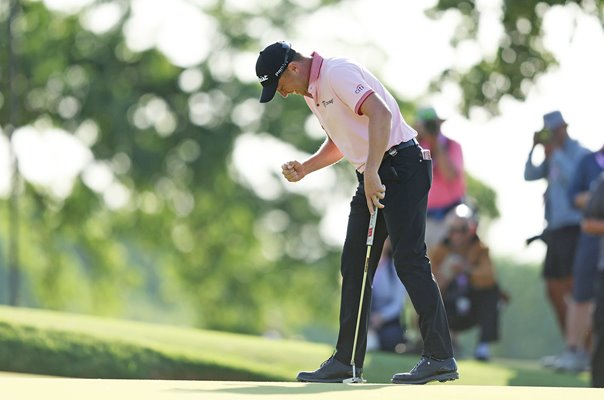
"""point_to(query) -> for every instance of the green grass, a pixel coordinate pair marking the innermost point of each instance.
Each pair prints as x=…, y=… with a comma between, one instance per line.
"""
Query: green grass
x=44, y=342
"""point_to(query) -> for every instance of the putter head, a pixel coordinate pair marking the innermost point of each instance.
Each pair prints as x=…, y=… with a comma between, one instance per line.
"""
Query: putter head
x=355, y=379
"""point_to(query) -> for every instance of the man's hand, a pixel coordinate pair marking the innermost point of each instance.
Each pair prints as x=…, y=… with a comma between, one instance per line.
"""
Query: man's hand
x=459, y=267
x=537, y=138
x=374, y=190
x=375, y=320
x=293, y=171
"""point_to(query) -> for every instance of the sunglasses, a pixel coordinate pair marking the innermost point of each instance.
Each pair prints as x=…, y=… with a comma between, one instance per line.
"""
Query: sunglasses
x=286, y=60
x=458, y=229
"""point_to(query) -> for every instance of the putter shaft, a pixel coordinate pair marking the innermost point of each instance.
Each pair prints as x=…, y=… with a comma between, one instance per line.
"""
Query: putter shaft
x=370, y=234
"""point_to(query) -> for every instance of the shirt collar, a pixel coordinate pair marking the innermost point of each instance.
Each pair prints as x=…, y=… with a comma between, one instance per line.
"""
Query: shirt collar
x=315, y=70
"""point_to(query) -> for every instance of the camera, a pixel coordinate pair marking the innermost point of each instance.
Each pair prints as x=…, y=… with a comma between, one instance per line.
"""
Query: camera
x=543, y=136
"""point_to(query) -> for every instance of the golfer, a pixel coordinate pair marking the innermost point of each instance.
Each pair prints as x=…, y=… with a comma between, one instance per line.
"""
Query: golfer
x=364, y=125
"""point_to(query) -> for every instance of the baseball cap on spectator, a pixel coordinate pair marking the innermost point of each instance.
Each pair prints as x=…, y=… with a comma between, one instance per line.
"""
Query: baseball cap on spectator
x=428, y=114
x=271, y=64
x=553, y=120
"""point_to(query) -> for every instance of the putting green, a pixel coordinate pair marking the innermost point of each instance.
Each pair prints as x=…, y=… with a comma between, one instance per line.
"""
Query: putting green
x=25, y=388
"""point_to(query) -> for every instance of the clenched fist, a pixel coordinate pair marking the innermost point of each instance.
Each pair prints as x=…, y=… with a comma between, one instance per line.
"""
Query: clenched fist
x=293, y=171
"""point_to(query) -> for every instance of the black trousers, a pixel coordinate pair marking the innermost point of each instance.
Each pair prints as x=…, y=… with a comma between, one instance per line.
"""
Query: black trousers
x=407, y=178
x=483, y=312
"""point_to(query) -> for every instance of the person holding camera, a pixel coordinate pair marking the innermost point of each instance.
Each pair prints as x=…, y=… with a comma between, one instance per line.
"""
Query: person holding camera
x=561, y=234
x=465, y=274
x=448, y=182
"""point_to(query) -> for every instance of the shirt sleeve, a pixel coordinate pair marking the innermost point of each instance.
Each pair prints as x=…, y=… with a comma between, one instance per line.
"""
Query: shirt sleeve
x=533, y=172
x=350, y=86
x=579, y=182
x=482, y=270
x=595, y=206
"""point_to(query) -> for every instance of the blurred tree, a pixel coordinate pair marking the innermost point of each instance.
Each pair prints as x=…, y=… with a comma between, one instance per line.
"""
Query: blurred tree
x=168, y=151
x=483, y=196
x=520, y=58
x=162, y=138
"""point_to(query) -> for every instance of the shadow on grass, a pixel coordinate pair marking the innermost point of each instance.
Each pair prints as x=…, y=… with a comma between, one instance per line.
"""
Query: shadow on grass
x=540, y=376
x=272, y=389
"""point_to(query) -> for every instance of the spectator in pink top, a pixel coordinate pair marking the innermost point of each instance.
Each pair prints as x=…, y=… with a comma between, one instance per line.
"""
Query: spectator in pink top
x=448, y=183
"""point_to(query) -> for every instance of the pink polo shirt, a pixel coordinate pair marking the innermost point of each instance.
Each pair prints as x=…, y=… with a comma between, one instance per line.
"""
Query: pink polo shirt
x=339, y=87
x=443, y=193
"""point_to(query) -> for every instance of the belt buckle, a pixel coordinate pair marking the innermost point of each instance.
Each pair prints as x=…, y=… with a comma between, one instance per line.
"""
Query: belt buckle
x=392, y=151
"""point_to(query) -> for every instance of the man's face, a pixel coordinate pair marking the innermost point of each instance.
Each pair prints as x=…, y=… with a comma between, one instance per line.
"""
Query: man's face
x=459, y=232
x=290, y=82
x=560, y=133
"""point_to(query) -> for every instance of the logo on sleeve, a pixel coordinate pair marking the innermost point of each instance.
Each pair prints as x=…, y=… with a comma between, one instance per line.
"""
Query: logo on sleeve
x=359, y=88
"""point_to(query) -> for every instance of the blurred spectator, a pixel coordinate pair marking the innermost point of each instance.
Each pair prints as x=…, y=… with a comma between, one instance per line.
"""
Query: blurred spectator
x=448, y=181
x=386, y=329
x=465, y=274
x=575, y=357
x=594, y=224
x=563, y=221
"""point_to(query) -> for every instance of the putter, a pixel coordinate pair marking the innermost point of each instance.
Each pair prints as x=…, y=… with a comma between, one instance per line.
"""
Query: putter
x=370, y=234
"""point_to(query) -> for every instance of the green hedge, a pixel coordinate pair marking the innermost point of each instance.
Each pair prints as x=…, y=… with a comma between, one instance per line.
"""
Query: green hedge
x=61, y=353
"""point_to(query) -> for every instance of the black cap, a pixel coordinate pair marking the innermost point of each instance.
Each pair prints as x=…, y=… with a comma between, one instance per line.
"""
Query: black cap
x=271, y=64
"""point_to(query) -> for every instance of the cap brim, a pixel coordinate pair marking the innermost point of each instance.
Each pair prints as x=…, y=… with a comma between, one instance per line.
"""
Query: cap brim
x=553, y=127
x=423, y=121
x=268, y=92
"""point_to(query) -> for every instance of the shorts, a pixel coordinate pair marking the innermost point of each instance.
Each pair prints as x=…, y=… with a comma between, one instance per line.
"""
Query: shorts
x=585, y=267
x=561, y=248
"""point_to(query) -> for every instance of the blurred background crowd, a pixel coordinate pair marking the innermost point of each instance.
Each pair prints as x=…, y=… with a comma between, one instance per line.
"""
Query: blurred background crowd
x=572, y=270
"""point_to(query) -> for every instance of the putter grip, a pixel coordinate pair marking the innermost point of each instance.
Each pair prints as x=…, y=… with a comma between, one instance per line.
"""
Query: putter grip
x=371, y=230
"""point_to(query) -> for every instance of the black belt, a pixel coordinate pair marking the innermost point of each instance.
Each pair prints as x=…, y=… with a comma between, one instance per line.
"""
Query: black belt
x=403, y=145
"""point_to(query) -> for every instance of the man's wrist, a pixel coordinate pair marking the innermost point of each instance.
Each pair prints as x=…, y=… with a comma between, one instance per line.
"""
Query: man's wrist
x=371, y=168
x=307, y=167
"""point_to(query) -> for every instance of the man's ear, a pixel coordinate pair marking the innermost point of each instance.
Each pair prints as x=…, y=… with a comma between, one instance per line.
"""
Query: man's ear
x=293, y=66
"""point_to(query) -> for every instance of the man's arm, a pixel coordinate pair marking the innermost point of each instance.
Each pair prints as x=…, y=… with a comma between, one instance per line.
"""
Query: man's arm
x=578, y=190
x=482, y=271
x=593, y=222
x=533, y=172
x=448, y=159
x=593, y=226
x=327, y=154
x=581, y=199
x=380, y=119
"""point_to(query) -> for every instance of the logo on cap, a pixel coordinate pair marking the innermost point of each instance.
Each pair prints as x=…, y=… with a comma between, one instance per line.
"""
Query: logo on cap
x=263, y=78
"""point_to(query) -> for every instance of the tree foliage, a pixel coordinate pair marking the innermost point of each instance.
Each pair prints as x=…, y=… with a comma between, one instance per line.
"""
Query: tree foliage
x=520, y=58
x=242, y=264
x=170, y=151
